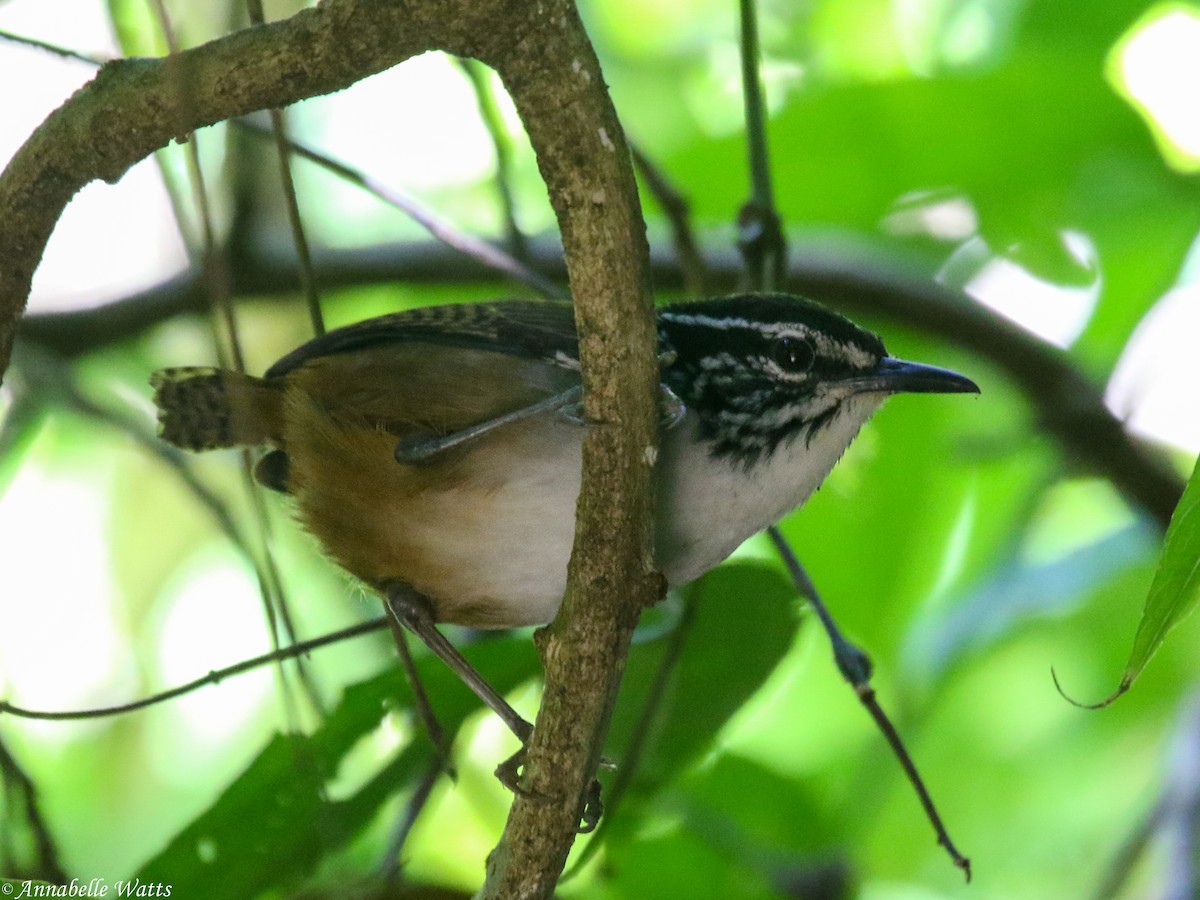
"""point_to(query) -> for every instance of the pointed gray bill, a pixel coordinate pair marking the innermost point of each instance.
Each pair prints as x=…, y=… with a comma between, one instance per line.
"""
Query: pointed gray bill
x=895, y=376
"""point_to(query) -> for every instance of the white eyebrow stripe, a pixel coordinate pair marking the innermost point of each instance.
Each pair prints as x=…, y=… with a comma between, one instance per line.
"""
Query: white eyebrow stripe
x=729, y=323
x=825, y=346
x=566, y=361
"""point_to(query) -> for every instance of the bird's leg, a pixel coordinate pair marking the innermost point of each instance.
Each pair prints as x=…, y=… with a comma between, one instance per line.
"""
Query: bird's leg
x=411, y=609
x=671, y=409
x=411, y=452
x=420, y=696
x=568, y=405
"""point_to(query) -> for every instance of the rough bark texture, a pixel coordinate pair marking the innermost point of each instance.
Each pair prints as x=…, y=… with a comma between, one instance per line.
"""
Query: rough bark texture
x=134, y=107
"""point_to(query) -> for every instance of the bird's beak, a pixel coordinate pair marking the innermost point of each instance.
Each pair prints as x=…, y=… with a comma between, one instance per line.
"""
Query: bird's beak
x=895, y=376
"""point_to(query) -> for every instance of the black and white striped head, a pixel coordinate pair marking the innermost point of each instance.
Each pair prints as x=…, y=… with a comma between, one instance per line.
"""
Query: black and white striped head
x=763, y=370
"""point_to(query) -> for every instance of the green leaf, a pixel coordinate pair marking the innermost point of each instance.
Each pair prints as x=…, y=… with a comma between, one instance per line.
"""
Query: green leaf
x=743, y=621
x=274, y=824
x=1176, y=586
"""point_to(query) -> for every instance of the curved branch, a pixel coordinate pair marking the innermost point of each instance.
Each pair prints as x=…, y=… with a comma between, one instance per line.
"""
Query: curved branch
x=134, y=106
x=543, y=55
x=555, y=82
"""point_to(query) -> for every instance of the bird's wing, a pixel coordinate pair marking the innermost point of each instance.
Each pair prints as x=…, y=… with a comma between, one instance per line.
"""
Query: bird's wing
x=434, y=371
x=532, y=329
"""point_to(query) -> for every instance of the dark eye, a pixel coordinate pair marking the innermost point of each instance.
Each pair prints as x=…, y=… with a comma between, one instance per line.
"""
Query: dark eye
x=793, y=354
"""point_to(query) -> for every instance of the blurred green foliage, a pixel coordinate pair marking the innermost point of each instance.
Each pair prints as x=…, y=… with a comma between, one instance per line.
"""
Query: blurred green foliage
x=954, y=542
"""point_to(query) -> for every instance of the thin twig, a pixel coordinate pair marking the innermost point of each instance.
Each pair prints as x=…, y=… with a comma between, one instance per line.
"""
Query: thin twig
x=489, y=112
x=867, y=695
x=441, y=229
x=255, y=10
x=57, y=50
x=476, y=248
x=641, y=734
x=678, y=213
x=215, y=266
x=437, y=735
x=752, y=99
x=293, y=651
x=390, y=870
x=49, y=377
x=760, y=234
x=855, y=667
x=764, y=251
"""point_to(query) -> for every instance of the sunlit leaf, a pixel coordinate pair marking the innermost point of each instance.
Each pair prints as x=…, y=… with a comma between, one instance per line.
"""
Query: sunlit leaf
x=1176, y=586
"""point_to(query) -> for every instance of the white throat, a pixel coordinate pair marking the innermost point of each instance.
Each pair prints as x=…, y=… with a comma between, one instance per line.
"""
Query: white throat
x=708, y=506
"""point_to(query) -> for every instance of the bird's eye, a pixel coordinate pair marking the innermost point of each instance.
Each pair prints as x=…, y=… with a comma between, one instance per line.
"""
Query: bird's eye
x=793, y=354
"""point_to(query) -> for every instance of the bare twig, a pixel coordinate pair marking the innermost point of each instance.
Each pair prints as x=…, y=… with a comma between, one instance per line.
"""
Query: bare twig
x=642, y=730
x=293, y=651
x=855, y=667
x=441, y=229
x=255, y=10
x=390, y=870
x=57, y=50
x=675, y=206
x=1174, y=818
x=760, y=234
x=215, y=268
x=489, y=112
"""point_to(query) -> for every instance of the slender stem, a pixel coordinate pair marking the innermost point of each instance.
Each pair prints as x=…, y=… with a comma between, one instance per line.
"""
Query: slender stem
x=16, y=780
x=641, y=734
x=764, y=252
x=752, y=97
x=437, y=734
x=215, y=677
x=299, y=240
x=867, y=695
x=852, y=661
x=489, y=112
x=678, y=212
x=441, y=229
x=855, y=666
x=760, y=232
x=390, y=870
x=48, y=379
x=57, y=50
x=215, y=265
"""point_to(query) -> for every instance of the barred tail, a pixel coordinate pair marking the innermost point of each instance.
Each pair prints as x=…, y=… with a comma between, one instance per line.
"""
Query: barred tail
x=205, y=408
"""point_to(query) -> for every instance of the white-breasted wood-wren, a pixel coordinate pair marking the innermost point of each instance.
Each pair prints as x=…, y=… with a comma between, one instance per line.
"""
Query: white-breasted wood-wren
x=436, y=453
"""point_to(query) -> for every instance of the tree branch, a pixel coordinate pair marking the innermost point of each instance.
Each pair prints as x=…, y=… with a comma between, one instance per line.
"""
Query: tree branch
x=556, y=84
x=542, y=54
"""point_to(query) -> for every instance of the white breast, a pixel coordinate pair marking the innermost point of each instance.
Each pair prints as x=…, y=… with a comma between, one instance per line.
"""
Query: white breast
x=708, y=506
x=511, y=557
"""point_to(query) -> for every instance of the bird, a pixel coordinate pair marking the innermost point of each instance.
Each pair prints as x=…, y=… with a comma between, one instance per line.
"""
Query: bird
x=435, y=453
